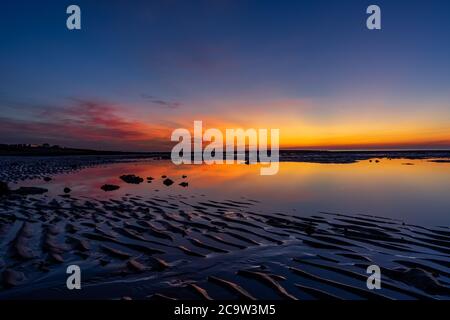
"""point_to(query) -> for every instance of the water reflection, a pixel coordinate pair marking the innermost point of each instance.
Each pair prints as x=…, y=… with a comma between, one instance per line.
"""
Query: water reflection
x=416, y=191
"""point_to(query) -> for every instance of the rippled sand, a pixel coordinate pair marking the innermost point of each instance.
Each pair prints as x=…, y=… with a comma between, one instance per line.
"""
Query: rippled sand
x=191, y=247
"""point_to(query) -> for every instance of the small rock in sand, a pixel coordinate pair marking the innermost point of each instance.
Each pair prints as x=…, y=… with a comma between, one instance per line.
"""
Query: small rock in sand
x=109, y=187
x=184, y=176
x=67, y=190
x=131, y=178
x=164, y=176
x=184, y=184
x=168, y=182
x=47, y=179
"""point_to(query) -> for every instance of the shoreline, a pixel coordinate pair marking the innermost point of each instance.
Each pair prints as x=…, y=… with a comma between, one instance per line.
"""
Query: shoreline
x=15, y=168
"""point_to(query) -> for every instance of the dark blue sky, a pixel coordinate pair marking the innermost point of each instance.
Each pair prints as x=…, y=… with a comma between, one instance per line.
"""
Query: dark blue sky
x=311, y=67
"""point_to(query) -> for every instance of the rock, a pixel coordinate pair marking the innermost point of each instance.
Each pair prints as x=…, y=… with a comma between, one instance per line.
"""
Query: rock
x=168, y=182
x=184, y=176
x=109, y=187
x=131, y=178
x=47, y=179
x=164, y=176
x=150, y=178
x=4, y=189
x=184, y=184
x=25, y=191
x=67, y=190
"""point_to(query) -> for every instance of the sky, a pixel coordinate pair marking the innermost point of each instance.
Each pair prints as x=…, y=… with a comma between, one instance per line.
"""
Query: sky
x=137, y=70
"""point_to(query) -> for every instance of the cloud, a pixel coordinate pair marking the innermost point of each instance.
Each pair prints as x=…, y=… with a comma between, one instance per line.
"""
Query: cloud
x=160, y=102
x=87, y=124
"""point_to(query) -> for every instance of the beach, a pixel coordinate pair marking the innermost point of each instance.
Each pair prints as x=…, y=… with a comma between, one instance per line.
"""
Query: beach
x=170, y=232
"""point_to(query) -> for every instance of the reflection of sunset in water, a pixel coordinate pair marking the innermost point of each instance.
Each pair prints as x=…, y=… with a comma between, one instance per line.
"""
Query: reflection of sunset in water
x=414, y=190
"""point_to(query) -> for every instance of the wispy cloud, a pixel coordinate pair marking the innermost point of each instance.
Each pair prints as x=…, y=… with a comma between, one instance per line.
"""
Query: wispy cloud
x=86, y=123
x=160, y=102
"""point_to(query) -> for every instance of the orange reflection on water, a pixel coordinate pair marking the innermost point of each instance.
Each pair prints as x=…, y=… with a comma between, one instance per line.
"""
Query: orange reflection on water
x=414, y=192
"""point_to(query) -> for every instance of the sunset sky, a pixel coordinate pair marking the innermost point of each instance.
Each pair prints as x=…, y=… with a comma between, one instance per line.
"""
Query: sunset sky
x=139, y=69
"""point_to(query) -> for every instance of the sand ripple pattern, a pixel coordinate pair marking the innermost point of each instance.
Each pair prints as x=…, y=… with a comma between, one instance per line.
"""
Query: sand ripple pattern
x=178, y=247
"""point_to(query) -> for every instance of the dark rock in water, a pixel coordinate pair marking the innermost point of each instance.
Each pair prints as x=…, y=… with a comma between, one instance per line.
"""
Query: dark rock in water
x=184, y=176
x=164, y=176
x=25, y=191
x=4, y=189
x=168, y=182
x=109, y=187
x=150, y=178
x=131, y=178
x=184, y=184
x=67, y=190
x=12, y=278
x=47, y=179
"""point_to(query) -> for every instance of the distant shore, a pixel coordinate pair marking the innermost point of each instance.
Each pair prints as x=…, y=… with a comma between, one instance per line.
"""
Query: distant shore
x=315, y=156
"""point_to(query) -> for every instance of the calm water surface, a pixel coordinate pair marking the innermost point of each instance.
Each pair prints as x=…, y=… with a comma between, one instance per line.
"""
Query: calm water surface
x=416, y=193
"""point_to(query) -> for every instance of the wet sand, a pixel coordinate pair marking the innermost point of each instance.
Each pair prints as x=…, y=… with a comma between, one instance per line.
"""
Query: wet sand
x=191, y=247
